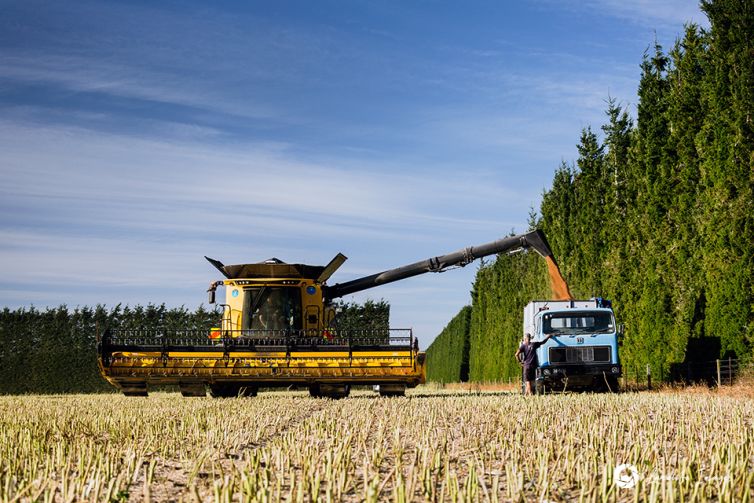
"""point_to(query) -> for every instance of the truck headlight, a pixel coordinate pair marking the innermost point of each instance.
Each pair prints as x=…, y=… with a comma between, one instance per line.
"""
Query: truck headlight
x=615, y=370
x=546, y=372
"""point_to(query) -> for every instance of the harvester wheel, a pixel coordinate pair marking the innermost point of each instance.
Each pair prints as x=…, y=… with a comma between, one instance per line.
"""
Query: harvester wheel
x=135, y=393
x=392, y=390
x=334, y=391
x=231, y=390
x=192, y=389
x=134, y=389
x=247, y=391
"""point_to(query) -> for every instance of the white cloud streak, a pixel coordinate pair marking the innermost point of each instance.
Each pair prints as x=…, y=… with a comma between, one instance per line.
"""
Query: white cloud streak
x=667, y=13
x=89, y=208
x=93, y=75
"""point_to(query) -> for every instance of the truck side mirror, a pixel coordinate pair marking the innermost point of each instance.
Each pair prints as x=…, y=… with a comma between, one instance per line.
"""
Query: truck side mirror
x=621, y=333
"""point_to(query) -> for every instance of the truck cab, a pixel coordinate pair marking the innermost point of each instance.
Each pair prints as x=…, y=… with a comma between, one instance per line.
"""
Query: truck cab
x=583, y=350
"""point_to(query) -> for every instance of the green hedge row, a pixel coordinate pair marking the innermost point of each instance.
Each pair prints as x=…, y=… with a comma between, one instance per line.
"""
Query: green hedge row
x=54, y=350
x=448, y=356
x=501, y=290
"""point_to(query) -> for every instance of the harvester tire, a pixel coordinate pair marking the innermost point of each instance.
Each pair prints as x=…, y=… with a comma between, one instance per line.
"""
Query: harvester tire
x=134, y=389
x=192, y=389
x=388, y=390
x=231, y=390
x=333, y=391
x=135, y=393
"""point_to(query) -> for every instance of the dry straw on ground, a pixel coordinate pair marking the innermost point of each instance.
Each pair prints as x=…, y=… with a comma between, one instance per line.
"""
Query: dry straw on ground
x=434, y=445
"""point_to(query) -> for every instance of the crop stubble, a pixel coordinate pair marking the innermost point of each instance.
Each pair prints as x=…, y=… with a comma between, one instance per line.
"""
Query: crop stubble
x=429, y=446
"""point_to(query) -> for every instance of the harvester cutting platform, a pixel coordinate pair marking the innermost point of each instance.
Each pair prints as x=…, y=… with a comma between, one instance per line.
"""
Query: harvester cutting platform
x=279, y=328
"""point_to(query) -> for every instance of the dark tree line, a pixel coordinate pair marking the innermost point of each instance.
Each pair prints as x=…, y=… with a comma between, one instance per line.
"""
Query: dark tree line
x=369, y=317
x=657, y=213
x=448, y=356
x=54, y=350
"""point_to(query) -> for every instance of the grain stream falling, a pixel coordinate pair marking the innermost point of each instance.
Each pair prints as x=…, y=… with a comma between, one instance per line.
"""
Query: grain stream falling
x=558, y=285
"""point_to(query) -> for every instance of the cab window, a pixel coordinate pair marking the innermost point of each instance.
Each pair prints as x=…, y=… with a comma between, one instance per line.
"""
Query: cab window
x=272, y=308
x=593, y=322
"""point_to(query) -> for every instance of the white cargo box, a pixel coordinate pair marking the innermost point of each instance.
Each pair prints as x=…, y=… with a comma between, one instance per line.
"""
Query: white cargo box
x=534, y=307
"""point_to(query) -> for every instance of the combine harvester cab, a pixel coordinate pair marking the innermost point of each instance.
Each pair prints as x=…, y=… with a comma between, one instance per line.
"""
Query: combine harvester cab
x=279, y=329
x=583, y=354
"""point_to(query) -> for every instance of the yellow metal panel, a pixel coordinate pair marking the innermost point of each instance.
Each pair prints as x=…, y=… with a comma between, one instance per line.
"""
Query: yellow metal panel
x=373, y=367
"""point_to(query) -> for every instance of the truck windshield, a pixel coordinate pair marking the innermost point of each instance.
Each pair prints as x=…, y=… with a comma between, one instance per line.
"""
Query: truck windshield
x=585, y=322
x=272, y=308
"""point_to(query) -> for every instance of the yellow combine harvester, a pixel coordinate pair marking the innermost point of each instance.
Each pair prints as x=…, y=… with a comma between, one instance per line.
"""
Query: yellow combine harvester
x=279, y=329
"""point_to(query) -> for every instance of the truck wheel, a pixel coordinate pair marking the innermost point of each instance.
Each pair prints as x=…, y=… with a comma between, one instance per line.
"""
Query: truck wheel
x=612, y=384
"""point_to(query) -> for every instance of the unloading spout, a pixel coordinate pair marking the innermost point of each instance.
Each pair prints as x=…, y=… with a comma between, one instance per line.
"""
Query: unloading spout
x=538, y=241
x=535, y=239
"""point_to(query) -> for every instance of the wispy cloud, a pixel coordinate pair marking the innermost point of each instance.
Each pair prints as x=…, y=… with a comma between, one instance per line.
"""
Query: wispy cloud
x=94, y=75
x=671, y=14
x=93, y=198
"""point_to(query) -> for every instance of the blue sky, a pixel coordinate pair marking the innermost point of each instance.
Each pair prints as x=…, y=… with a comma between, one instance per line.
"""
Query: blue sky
x=136, y=137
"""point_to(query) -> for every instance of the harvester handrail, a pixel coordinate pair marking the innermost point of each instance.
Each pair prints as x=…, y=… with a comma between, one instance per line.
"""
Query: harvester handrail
x=164, y=340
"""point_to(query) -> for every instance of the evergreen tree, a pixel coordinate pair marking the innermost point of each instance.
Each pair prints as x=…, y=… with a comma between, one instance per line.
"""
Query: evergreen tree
x=448, y=355
x=727, y=143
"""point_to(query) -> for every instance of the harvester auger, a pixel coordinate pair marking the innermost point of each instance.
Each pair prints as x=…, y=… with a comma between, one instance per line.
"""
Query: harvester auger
x=279, y=329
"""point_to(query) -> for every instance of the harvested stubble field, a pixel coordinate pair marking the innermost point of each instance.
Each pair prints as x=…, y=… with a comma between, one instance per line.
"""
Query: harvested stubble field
x=432, y=445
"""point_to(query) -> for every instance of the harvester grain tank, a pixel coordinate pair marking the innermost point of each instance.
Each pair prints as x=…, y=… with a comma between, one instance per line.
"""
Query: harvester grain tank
x=279, y=328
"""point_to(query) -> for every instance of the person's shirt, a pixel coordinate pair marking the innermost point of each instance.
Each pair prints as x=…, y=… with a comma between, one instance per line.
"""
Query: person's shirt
x=529, y=351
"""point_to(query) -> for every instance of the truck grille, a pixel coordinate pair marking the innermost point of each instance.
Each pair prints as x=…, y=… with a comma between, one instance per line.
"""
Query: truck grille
x=587, y=354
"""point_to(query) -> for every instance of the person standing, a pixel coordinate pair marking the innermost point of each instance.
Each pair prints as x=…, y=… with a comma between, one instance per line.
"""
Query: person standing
x=526, y=354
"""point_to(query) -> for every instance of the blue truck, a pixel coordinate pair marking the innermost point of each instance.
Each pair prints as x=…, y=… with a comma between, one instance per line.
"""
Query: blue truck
x=583, y=352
